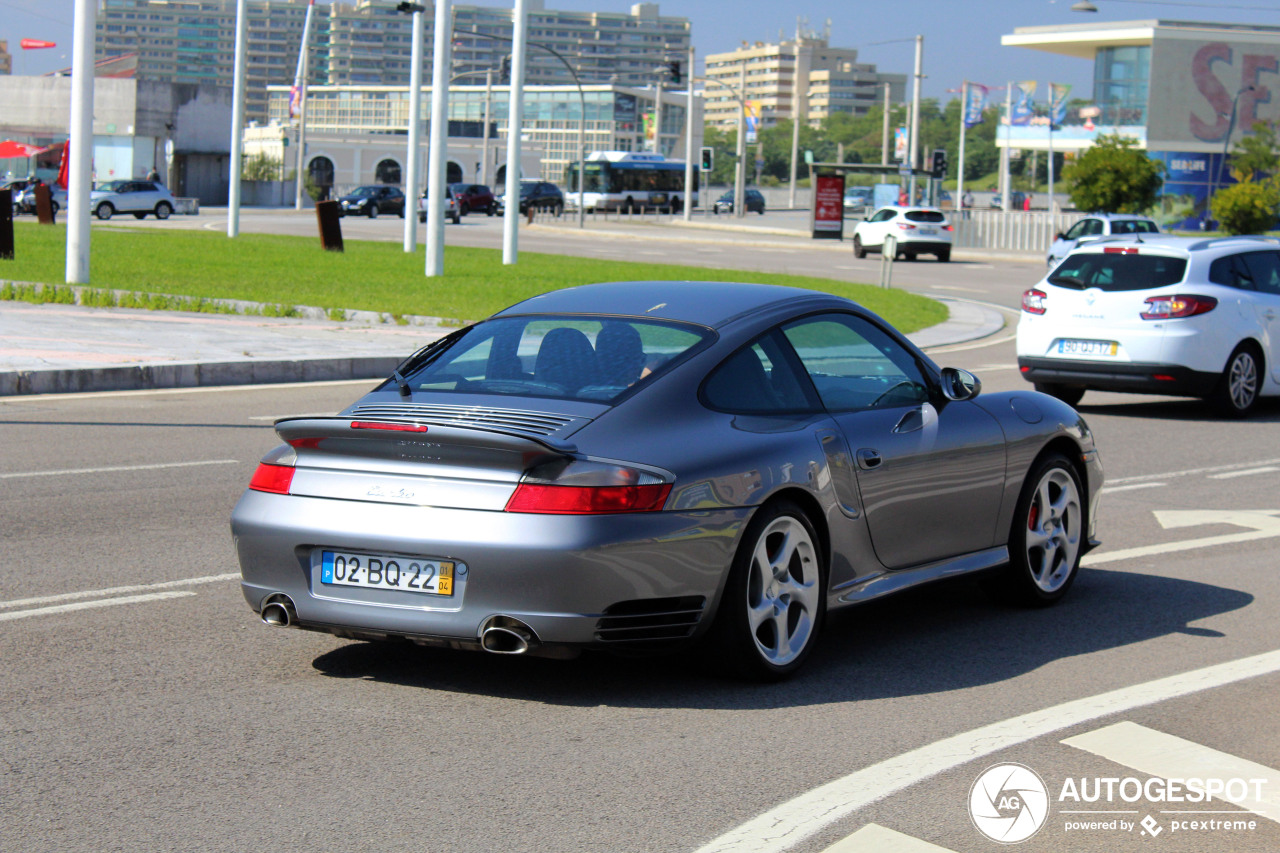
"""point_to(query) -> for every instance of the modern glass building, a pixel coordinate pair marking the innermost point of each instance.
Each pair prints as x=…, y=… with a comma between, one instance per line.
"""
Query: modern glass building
x=1185, y=91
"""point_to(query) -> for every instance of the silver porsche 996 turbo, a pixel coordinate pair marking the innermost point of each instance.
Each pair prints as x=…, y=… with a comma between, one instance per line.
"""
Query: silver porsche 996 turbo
x=637, y=465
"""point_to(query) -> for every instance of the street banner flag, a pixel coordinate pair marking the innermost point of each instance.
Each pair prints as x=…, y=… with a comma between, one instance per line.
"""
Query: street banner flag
x=36, y=44
x=1023, y=108
x=64, y=166
x=975, y=101
x=752, y=114
x=900, y=144
x=295, y=100
x=1058, y=102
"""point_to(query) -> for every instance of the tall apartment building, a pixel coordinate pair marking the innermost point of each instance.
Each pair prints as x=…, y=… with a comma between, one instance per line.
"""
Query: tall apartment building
x=369, y=43
x=827, y=80
x=6, y=58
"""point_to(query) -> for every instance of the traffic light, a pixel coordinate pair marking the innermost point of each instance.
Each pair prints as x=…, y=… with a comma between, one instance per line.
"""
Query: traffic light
x=938, y=163
x=673, y=68
x=504, y=70
x=708, y=159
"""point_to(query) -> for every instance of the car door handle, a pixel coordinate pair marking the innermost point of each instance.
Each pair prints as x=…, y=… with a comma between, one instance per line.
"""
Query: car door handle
x=1270, y=315
x=869, y=459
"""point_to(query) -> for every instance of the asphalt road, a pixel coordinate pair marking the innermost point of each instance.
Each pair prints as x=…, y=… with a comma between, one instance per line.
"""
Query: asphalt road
x=145, y=708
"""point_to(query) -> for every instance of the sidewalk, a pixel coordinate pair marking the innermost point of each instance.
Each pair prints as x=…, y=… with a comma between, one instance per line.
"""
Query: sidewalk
x=51, y=349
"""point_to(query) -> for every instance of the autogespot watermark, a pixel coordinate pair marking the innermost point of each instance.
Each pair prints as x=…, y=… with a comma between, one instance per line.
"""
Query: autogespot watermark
x=1009, y=803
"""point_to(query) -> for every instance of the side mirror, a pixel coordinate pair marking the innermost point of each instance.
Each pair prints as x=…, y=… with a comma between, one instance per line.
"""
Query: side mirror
x=959, y=385
x=1059, y=236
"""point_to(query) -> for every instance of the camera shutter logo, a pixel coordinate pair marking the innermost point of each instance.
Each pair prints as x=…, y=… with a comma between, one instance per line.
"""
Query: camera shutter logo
x=1008, y=803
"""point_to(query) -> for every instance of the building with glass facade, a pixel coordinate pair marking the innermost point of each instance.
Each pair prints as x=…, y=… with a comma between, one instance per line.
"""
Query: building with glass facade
x=369, y=43
x=376, y=119
x=1185, y=91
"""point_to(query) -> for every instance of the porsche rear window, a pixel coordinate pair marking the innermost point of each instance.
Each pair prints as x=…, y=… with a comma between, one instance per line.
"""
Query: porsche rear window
x=1114, y=271
x=596, y=359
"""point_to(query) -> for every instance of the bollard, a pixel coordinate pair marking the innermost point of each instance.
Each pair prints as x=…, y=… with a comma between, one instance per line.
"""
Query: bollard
x=529, y=212
x=328, y=216
x=888, y=252
x=6, y=224
x=44, y=204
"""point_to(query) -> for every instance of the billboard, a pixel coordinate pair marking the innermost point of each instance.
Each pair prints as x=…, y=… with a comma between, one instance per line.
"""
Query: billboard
x=1194, y=84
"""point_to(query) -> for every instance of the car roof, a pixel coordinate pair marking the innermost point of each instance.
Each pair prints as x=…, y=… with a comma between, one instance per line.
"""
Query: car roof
x=1184, y=245
x=707, y=303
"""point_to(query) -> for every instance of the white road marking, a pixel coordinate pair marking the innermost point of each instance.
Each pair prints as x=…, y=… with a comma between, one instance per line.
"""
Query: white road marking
x=883, y=840
x=1158, y=754
x=115, y=590
x=1248, y=472
x=1262, y=524
x=790, y=823
x=86, y=605
x=1108, y=489
x=116, y=469
x=1214, y=469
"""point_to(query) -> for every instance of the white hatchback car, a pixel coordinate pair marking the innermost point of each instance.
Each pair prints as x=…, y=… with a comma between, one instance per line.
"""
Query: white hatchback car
x=1094, y=226
x=1155, y=314
x=136, y=197
x=917, y=230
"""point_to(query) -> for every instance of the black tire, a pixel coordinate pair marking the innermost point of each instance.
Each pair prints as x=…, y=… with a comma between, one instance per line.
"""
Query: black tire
x=493, y=209
x=944, y=256
x=761, y=210
x=774, y=601
x=1047, y=537
x=859, y=250
x=457, y=218
x=401, y=213
x=1237, y=391
x=464, y=209
x=1069, y=394
x=104, y=210
x=373, y=211
x=163, y=210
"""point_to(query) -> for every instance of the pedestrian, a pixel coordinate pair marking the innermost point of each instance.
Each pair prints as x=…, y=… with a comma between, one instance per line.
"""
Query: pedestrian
x=967, y=199
x=1026, y=202
x=153, y=175
x=902, y=198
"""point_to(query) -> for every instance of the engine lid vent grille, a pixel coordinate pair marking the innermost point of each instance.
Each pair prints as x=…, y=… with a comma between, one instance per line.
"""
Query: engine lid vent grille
x=518, y=421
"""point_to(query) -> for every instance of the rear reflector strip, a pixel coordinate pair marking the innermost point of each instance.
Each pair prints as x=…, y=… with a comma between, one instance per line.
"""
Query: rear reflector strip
x=587, y=500
x=388, y=426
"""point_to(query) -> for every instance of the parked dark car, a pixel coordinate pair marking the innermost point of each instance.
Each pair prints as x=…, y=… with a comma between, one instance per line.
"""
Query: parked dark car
x=371, y=200
x=755, y=203
x=474, y=197
x=541, y=194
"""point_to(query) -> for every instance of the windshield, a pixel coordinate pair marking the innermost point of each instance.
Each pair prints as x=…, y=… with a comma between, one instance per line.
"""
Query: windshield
x=597, y=359
x=1113, y=271
x=361, y=192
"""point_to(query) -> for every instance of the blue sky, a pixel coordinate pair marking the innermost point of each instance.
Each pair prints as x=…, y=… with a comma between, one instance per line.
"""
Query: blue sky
x=961, y=39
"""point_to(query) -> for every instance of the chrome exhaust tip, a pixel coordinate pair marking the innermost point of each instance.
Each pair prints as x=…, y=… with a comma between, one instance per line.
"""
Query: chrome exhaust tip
x=504, y=635
x=278, y=610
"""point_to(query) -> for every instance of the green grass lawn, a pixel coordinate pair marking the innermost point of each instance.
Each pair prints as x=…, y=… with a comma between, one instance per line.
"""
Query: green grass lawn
x=373, y=276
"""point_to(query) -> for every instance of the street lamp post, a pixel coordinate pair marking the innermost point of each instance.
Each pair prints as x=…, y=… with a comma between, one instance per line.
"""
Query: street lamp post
x=414, y=155
x=1226, y=141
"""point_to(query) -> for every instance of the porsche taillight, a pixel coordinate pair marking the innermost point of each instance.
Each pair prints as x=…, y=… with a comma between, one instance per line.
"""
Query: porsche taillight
x=582, y=487
x=272, y=478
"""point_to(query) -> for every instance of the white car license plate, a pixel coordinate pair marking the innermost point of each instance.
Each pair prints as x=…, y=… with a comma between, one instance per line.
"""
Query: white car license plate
x=928, y=232
x=377, y=571
x=1072, y=347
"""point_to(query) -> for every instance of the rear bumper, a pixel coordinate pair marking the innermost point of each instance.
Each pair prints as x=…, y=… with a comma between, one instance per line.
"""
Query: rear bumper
x=1134, y=378
x=564, y=576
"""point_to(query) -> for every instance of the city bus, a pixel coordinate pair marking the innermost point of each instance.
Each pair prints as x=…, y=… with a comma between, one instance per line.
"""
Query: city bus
x=629, y=181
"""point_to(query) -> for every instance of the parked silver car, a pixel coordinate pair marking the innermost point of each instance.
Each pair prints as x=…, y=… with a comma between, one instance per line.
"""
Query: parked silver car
x=136, y=197
x=634, y=465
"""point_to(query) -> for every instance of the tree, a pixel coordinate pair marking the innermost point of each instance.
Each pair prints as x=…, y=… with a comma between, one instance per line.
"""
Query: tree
x=1114, y=176
x=1248, y=207
x=1257, y=153
x=260, y=167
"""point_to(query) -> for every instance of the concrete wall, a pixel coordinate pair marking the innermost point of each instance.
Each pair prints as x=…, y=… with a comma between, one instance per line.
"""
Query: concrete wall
x=41, y=106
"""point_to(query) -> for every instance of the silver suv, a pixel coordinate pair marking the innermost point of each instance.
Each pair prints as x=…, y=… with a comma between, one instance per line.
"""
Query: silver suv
x=1095, y=226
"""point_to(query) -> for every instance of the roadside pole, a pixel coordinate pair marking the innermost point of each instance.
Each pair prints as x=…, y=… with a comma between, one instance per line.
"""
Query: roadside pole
x=81, y=165
x=688, y=144
x=740, y=178
x=437, y=184
x=515, y=122
x=413, y=156
x=237, y=126
x=913, y=139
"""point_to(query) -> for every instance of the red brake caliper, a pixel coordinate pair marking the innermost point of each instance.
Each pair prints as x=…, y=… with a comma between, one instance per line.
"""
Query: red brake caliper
x=1035, y=516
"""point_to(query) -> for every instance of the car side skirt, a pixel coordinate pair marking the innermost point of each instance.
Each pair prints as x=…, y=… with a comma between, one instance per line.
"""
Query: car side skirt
x=887, y=582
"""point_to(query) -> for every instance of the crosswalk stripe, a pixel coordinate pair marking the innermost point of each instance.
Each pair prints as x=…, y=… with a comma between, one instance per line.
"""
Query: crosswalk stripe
x=883, y=840
x=1169, y=757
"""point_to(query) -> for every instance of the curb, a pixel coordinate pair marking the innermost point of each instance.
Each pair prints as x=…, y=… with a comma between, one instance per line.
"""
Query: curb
x=148, y=377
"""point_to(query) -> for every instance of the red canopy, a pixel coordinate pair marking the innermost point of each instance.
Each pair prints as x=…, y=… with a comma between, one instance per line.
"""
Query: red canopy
x=10, y=149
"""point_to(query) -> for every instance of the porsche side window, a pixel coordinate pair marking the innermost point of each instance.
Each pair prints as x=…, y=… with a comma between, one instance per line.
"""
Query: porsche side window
x=758, y=379
x=854, y=365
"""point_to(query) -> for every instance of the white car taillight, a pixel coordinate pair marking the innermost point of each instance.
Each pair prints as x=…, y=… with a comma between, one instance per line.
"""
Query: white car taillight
x=1171, y=307
x=1033, y=301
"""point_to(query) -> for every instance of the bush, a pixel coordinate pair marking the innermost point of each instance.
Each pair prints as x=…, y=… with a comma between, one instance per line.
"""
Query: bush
x=1247, y=208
